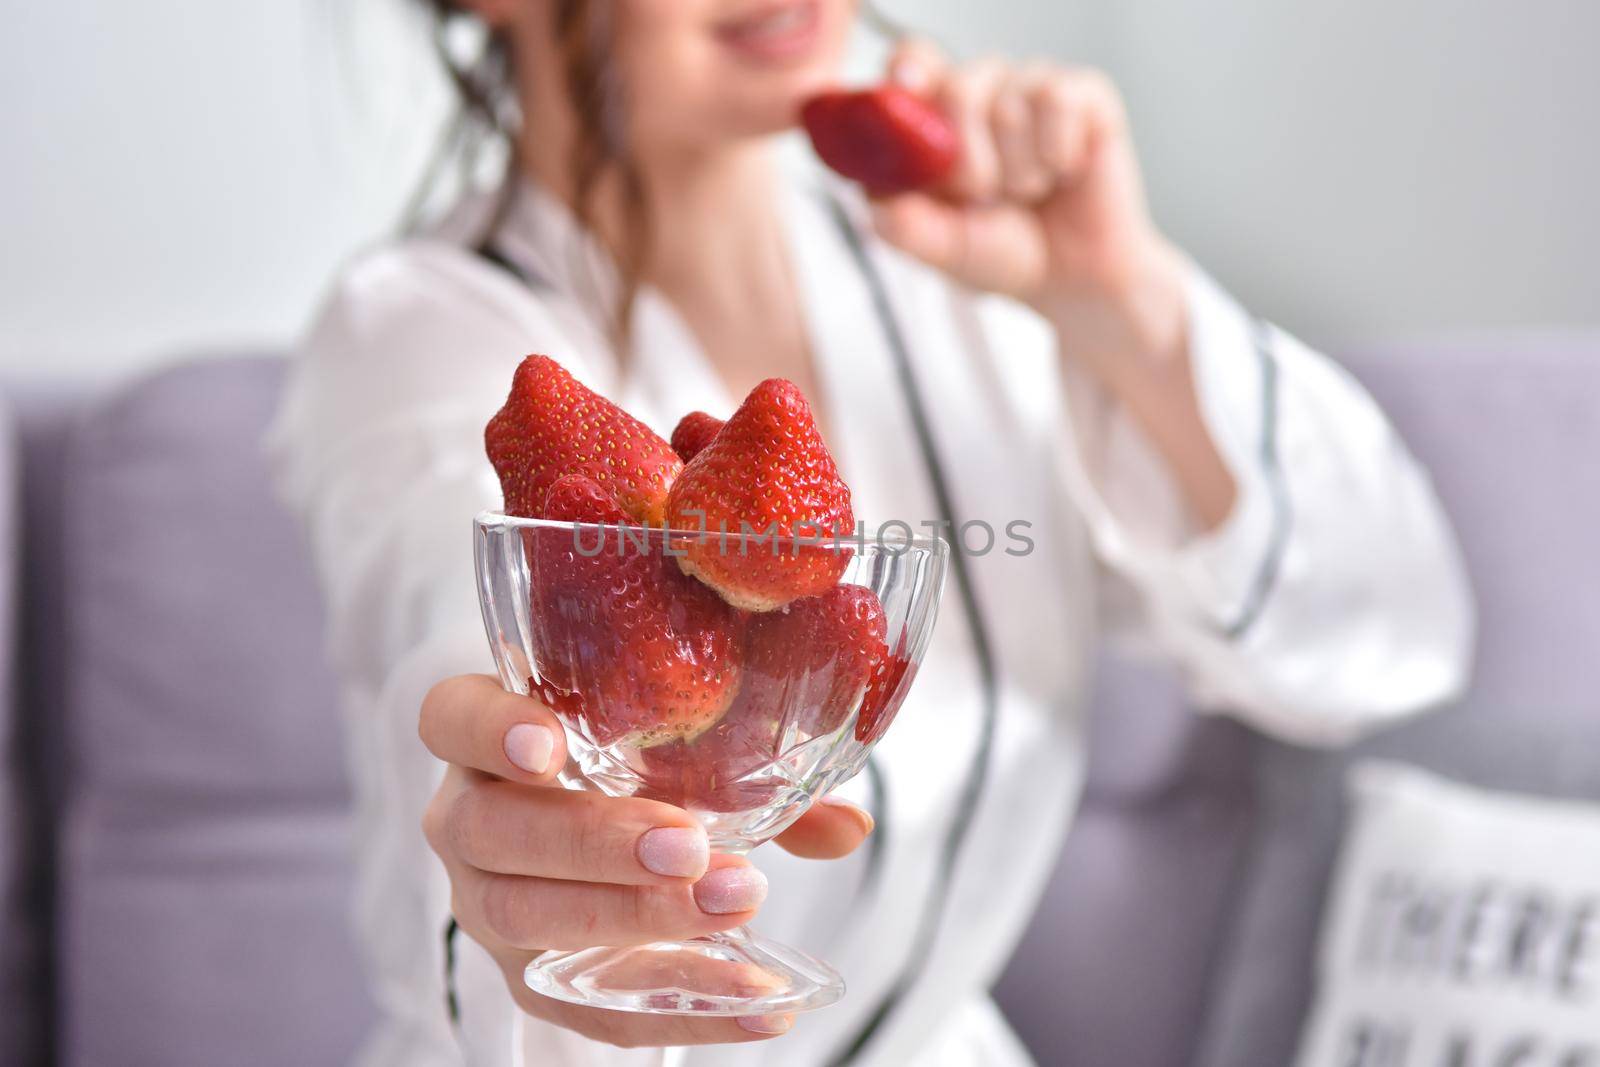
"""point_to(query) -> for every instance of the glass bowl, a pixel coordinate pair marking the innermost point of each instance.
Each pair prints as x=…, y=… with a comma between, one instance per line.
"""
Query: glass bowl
x=742, y=718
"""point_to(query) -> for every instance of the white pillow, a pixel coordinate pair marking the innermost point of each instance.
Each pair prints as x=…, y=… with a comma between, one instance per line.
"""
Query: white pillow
x=1463, y=930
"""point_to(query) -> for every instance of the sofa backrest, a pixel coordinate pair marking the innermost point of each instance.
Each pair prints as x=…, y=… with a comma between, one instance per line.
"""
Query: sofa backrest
x=203, y=882
x=44, y=414
x=19, y=1012
x=1181, y=928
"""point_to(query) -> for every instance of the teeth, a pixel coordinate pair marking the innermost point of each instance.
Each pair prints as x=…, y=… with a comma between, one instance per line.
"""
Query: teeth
x=780, y=22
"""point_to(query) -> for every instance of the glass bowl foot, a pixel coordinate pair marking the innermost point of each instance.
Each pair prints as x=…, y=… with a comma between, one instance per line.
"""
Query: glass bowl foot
x=727, y=974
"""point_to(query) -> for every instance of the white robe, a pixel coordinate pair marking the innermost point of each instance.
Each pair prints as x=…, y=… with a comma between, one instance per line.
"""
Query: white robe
x=1330, y=602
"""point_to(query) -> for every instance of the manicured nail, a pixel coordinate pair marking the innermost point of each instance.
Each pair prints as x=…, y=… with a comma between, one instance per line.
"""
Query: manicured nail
x=862, y=815
x=674, y=851
x=530, y=746
x=767, y=1024
x=730, y=889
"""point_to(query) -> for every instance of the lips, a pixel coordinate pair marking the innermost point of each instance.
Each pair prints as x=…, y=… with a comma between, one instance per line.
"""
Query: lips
x=775, y=31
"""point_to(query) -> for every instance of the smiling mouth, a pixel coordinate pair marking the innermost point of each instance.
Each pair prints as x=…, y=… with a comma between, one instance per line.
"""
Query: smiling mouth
x=774, y=32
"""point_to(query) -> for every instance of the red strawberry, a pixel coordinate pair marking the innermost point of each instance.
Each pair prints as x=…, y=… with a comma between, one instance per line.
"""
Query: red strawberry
x=884, y=695
x=888, y=139
x=819, y=654
x=552, y=425
x=625, y=644
x=806, y=667
x=767, y=472
x=694, y=432
x=717, y=771
x=579, y=498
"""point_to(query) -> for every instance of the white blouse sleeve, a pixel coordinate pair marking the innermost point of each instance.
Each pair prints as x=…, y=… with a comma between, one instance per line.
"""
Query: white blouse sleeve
x=1332, y=599
x=378, y=446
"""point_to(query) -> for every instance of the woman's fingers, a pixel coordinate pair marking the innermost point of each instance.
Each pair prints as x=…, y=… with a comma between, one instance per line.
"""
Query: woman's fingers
x=1024, y=130
x=505, y=828
x=918, y=65
x=470, y=721
x=927, y=227
x=631, y=1030
x=1023, y=176
x=831, y=828
x=1071, y=109
x=992, y=125
x=1060, y=122
x=967, y=96
x=1044, y=121
x=995, y=247
x=634, y=1030
x=543, y=913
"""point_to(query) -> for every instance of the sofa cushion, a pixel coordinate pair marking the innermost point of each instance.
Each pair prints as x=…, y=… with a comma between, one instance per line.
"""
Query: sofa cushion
x=1463, y=927
x=1114, y=969
x=1510, y=435
x=204, y=862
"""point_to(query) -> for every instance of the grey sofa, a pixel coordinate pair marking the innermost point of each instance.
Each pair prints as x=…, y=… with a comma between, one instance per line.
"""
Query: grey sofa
x=174, y=870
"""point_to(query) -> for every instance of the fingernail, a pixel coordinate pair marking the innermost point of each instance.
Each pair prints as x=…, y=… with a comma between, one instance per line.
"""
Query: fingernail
x=730, y=889
x=910, y=74
x=674, y=851
x=862, y=814
x=767, y=1024
x=530, y=746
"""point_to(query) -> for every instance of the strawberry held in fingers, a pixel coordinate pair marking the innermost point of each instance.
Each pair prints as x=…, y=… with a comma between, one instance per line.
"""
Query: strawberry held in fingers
x=694, y=432
x=887, y=138
x=552, y=425
x=767, y=473
x=625, y=643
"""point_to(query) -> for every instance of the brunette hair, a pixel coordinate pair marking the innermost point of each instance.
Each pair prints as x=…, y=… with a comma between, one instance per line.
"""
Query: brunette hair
x=488, y=112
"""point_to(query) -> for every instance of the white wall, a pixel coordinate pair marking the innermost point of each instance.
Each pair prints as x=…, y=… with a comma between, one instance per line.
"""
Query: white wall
x=182, y=172
x=186, y=172
x=1378, y=167
x=1355, y=168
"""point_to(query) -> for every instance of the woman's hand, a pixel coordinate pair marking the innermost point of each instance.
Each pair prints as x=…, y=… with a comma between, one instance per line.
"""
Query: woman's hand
x=1047, y=206
x=534, y=866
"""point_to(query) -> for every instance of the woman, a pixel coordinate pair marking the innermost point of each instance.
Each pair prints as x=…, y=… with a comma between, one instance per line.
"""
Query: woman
x=1022, y=348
